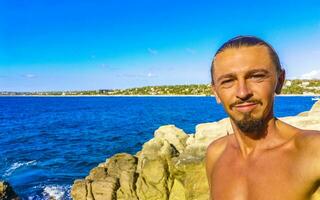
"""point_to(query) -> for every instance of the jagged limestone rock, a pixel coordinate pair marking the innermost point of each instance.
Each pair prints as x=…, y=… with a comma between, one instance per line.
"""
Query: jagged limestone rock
x=121, y=162
x=152, y=180
x=115, y=176
x=7, y=192
x=177, y=191
x=79, y=190
x=155, y=180
x=98, y=173
x=205, y=134
x=127, y=190
x=105, y=189
x=190, y=172
x=175, y=136
x=315, y=110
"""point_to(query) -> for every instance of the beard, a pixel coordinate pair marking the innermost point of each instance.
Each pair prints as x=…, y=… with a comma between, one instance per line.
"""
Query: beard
x=249, y=124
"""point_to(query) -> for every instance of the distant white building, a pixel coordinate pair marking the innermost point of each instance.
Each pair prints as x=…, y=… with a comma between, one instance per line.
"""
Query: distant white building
x=305, y=83
x=288, y=83
x=308, y=93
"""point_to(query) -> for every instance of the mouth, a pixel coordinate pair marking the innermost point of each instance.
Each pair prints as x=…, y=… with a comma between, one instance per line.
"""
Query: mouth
x=245, y=107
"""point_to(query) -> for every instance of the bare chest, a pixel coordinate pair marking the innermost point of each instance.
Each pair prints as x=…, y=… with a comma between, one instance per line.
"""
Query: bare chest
x=271, y=176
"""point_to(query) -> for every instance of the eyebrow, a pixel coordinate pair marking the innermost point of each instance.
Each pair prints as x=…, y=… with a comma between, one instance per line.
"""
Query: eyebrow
x=231, y=75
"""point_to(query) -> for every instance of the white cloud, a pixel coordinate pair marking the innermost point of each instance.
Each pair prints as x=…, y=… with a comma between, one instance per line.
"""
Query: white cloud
x=151, y=74
x=293, y=77
x=191, y=51
x=152, y=51
x=137, y=75
x=129, y=75
x=314, y=74
x=29, y=75
x=104, y=65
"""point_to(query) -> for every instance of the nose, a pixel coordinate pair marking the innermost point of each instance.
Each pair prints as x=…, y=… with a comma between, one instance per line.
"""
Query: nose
x=243, y=90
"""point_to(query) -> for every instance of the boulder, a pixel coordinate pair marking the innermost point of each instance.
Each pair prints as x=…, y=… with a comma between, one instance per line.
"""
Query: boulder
x=314, y=111
x=175, y=136
x=7, y=192
x=114, y=179
x=315, y=108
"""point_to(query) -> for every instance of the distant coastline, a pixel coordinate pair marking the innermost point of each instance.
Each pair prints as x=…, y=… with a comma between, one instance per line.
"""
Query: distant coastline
x=284, y=95
x=290, y=88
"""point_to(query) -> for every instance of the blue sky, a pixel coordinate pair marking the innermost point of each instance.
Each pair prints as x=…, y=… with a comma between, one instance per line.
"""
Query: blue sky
x=82, y=45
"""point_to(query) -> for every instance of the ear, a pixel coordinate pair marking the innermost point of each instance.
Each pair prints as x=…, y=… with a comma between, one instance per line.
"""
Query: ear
x=281, y=79
x=213, y=90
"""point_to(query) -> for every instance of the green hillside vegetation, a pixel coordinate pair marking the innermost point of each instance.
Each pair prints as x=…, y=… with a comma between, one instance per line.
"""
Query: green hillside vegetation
x=166, y=90
x=301, y=87
x=307, y=87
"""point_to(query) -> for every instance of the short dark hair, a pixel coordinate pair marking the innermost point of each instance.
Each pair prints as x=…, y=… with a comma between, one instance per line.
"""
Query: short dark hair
x=247, y=41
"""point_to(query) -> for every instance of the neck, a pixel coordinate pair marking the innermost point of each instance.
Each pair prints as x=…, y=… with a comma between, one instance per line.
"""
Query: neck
x=249, y=143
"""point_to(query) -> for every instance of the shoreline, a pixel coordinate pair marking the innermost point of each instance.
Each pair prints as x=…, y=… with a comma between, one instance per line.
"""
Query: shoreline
x=284, y=95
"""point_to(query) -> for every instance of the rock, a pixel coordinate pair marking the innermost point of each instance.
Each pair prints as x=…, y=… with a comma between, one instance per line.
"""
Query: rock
x=79, y=189
x=175, y=136
x=205, y=134
x=114, y=179
x=128, y=187
x=311, y=121
x=170, y=166
x=178, y=191
x=105, y=189
x=304, y=114
x=155, y=166
x=314, y=111
x=153, y=180
x=7, y=192
x=190, y=173
x=98, y=173
x=315, y=108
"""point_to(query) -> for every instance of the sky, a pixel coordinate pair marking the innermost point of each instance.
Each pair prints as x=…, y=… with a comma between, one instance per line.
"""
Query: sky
x=50, y=45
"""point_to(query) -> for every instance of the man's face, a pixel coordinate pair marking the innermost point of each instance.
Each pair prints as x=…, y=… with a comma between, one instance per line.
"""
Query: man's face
x=245, y=80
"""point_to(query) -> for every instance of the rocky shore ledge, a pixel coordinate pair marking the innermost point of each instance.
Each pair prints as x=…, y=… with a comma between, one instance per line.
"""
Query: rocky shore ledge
x=169, y=167
x=6, y=192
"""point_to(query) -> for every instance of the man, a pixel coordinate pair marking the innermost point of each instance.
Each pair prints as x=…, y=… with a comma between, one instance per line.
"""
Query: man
x=264, y=158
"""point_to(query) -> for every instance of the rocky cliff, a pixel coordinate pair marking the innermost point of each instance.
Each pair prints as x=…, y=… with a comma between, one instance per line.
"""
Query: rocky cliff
x=169, y=167
x=6, y=192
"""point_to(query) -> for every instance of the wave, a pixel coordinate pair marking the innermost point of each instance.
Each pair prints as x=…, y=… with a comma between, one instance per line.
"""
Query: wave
x=17, y=165
x=51, y=192
x=56, y=192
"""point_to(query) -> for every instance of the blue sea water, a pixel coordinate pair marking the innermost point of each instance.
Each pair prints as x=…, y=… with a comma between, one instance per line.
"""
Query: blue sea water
x=48, y=142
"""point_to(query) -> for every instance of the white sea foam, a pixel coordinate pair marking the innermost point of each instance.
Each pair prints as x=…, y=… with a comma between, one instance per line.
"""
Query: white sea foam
x=17, y=165
x=56, y=192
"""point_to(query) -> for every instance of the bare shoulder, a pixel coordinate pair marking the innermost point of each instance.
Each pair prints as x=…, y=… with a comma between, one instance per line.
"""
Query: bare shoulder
x=308, y=144
x=216, y=147
x=308, y=140
x=302, y=137
x=214, y=151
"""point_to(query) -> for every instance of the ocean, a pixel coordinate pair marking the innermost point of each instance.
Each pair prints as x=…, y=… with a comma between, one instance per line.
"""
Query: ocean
x=48, y=142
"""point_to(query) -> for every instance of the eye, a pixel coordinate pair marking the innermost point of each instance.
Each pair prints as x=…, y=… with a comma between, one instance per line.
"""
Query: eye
x=226, y=81
x=258, y=76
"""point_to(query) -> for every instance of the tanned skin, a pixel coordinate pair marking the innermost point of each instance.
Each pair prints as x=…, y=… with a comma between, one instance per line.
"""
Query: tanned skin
x=278, y=162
